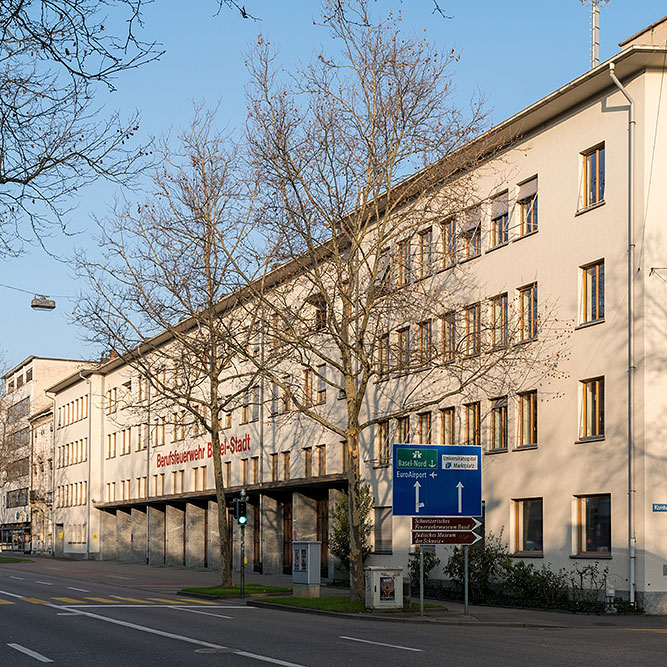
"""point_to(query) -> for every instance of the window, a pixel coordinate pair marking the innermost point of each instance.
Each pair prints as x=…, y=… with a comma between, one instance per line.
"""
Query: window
x=499, y=320
x=471, y=233
x=425, y=342
x=275, y=394
x=528, y=526
x=179, y=425
x=528, y=418
x=321, y=460
x=592, y=408
x=594, y=524
x=322, y=383
x=425, y=241
x=383, y=356
x=425, y=428
x=228, y=473
x=28, y=375
x=319, y=315
x=404, y=263
x=17, y=498
x=228, y=420
x=499, y=423
x=343, y=456
x=286, y=465
x=308, y=387
x=403, y=348
x=384, y=454
x=244, y=471
x=592, y=292
x=383, y=275
x=255, y=469
x=473, y=332
x=307, y=461
x=245, y=408
x=528, y=312
x=593, y=177
x=449, y=337
x=403, y=430
x=447, y=426
x=19, y=381
x=449, y=243
x=383, y=530
x=473, y=426
x=499, y=220
x=274, y=467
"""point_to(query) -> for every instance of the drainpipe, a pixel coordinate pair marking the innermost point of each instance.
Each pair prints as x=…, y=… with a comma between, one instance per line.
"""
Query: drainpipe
x=632, y=539
x=90, y=463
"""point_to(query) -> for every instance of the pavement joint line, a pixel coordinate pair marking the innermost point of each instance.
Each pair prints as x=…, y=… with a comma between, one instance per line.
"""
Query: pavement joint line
x=31, y=653
x=188, y=640
x=368, y=641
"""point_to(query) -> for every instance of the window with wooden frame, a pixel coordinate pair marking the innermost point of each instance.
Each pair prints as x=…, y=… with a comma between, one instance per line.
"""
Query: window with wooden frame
x=319, y=315
x=228, y=420
x=499, y=318
x=245, y=408
x=473, y=329
x=383, y=453
x=592, y=292
x=592, y=408
x=425, y=342
x=307, y=461
x=321, y=384
x=308, y=387
x=244, y=472
x=321, y=460
x=255, y=470
x=593, y=517
x=499, y=220
x=449, y=337
x=528, y=312
x=383, y=272
x=384, y=359
x=471, y=233
x=286, y=465
x=274, y=467
x=403, y=348
x=424, y=422
x=228, y=473
x=527, y=201
x=499, y=423
x=593, y=176
x=403, y=277
x=447, y=426
x=343, y=456
x=448, y=232
x=528, y=418
x=528, y=530
x=472, y=423
x=425, y=251
x=403, y=429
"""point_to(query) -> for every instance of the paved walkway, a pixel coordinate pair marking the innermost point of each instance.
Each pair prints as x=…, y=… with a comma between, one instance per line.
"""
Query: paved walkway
x=172, y=579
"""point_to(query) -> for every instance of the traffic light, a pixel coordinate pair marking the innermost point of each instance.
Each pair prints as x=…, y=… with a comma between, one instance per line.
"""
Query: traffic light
x=240, y=509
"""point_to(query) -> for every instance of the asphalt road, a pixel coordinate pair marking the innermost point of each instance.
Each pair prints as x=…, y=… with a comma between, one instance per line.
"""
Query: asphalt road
x=50, y=619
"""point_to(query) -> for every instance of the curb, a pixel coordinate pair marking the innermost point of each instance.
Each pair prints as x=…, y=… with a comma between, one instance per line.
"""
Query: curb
x=393, y=619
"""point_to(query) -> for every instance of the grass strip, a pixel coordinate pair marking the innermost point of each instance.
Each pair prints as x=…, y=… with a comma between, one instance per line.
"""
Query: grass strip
x=10, y=559
x=235, y=591
x=337, y=603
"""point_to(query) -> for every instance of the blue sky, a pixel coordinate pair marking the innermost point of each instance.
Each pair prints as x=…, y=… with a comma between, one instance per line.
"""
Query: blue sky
x=514, y=53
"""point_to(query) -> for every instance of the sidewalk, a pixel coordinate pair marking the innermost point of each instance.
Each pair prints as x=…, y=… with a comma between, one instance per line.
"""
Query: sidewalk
x=172, y=579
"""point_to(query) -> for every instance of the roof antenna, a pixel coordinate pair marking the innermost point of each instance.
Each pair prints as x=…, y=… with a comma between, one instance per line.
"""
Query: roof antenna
x=595, y=29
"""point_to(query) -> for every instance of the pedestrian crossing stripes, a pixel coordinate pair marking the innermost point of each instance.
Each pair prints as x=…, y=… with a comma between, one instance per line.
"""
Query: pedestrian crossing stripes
x=117, y=600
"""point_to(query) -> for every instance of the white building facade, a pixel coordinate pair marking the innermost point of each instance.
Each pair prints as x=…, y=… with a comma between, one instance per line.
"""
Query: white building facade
x=574, y=466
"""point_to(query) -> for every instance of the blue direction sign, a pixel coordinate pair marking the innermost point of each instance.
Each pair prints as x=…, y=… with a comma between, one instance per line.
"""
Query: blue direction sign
x=437, y=480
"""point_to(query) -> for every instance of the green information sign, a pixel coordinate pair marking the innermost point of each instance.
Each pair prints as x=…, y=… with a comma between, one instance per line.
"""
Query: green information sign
x=415, y=457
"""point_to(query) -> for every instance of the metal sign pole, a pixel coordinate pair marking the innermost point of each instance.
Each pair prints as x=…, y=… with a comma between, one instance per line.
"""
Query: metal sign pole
x=421, y=581
x=242, y=560
x=465, y=580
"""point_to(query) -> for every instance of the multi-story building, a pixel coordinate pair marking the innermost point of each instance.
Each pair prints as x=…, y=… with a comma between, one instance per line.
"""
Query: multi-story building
x=574, y=463
x=28, y=470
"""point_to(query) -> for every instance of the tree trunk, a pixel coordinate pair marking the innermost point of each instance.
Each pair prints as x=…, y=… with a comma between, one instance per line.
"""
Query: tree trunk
x=357, y=590
x=225, y=547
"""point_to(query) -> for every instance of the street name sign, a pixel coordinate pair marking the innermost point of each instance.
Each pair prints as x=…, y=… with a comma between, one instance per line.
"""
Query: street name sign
x=437, y=480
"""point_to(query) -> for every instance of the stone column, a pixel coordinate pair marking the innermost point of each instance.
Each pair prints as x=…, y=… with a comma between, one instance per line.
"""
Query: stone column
x=213, y=536
x=272, y=536
x=304, y=519
x=138, y=535
x=108, y=535
x=195, y=537
x=175, y=535
x=123, y=535
x=156, y=537
x=334, y=565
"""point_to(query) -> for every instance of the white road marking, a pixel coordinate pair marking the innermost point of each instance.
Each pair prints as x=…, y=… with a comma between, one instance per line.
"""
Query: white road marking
x=27, y=651
x=188, y=640
x=82, y=590
x=46, y=583
x=367, y=641
x=20, y=578
x=199, y=611
x=116, y=576
x=11, y=595
x=67, y=613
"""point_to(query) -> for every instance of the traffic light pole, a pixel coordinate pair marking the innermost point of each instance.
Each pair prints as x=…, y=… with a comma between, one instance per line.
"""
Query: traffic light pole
x=242, y=560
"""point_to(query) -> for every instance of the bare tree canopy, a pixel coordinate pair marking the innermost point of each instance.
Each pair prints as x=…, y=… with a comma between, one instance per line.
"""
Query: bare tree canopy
x=55, y=55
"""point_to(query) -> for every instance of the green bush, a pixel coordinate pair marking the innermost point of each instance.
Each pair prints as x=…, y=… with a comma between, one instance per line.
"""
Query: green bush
x=339, y=540
x=430, y=561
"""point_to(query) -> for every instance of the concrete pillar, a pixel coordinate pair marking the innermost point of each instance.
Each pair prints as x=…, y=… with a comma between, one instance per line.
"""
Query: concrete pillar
x=156, y=527
x=175, y=534
x=213, y=537
x=304, y=517
x=138, y=535
x=108, y=535
x=123, y=532
x=195, y=535
x=335, y=569
x=272, y=536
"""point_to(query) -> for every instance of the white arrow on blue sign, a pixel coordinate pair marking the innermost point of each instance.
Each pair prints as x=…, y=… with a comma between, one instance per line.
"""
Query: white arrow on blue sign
x=437, y=480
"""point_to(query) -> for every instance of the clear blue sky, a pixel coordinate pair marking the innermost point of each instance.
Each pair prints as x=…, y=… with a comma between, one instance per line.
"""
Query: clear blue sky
x=514, y=52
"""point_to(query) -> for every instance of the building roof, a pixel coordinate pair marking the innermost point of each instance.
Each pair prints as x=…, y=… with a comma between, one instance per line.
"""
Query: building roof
x=33, y=357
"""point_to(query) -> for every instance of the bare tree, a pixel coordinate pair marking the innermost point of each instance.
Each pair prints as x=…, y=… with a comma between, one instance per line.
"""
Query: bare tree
x=158, y=295
x=365, y=161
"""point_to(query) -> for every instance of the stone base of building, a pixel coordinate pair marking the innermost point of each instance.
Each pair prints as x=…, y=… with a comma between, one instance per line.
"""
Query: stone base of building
x=653, y=604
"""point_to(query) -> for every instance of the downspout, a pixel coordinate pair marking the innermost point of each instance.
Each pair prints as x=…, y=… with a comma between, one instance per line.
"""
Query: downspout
x=52, y=475
x=632, y=539
x=89, y=455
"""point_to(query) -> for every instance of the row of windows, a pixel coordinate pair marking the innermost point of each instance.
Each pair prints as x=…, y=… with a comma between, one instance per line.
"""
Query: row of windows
x=591, y=422
x=120, y=442
x=17, y=498
x=18, y=380
x=73, y=411
x=72, y=452
x=17, y=469
x=69, y=495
